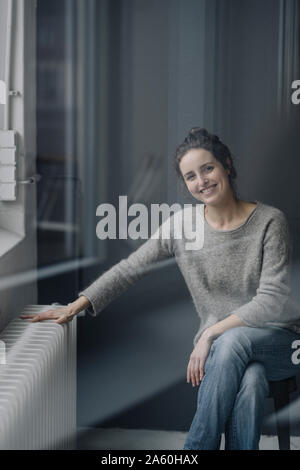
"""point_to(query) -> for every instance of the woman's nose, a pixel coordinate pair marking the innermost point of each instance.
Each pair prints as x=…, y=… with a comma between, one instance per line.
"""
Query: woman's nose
x=201, y=180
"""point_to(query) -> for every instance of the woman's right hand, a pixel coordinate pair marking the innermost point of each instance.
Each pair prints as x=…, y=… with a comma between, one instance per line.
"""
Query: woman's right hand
x=61, y=315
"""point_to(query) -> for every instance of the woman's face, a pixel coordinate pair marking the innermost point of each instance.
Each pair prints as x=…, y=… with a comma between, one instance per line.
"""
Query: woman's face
x=201, y=170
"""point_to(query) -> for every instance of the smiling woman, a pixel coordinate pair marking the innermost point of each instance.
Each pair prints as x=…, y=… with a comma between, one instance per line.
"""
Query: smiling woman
x=205, y=166
x=213, y=153
x=239, y=282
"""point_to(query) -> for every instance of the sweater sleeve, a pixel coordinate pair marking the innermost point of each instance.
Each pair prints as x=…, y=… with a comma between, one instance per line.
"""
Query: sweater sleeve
x=112, y=283
x=272, y=294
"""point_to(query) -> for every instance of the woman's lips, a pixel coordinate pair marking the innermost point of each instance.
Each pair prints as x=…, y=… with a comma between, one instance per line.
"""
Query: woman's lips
x=209, y=189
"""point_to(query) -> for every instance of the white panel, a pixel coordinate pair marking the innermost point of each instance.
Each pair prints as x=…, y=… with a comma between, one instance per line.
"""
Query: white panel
x=7, y=191
x=2, y=92
x=7, y=139
x=7, y=156
x=7, y=165
x=7, y=173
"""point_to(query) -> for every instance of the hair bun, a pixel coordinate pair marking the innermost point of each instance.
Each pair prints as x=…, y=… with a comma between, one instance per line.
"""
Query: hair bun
x=199, y=132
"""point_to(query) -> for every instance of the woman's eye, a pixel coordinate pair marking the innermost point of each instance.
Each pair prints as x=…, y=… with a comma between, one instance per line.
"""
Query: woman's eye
x=190, y=177
x=209, y=168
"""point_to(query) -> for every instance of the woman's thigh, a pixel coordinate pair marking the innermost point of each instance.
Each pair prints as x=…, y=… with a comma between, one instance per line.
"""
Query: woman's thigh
x=272, y=346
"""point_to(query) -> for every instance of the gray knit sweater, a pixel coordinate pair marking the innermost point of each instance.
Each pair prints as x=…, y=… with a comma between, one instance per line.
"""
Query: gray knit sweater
x=245, y=271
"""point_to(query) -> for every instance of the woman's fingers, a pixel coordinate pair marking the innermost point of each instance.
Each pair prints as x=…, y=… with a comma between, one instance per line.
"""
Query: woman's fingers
x=32, y=318
x=42, y=316
x=194, y=371
x=64, y=319
x=188, y=376
x=191, y=372
x=198, y=374
x=201, y=370
x=197, y=361
x=48, y=315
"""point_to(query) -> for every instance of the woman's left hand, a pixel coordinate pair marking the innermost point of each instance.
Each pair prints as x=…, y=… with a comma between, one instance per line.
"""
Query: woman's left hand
x=195, y=370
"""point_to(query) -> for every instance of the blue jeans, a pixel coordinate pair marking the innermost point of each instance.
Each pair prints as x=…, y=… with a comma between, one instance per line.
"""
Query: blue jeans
x=232, y=393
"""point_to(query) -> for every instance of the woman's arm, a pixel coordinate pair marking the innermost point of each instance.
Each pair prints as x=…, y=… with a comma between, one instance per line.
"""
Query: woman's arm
x=116, y=280
x=62, y=314
x=216, y=330
x=113, y=282
x=269, y=304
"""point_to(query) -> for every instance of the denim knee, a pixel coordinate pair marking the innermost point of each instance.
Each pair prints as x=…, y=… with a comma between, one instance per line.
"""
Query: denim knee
x=230, y=342
x=254, y=379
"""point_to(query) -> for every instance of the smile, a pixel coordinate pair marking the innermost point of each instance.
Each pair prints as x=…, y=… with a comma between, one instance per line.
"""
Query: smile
x=208, y=190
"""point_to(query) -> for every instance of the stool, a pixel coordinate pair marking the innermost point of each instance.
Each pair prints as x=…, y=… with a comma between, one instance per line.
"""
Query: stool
x=279, y=390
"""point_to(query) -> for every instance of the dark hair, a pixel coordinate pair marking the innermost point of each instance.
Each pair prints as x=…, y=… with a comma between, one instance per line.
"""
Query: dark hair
x=200, y=138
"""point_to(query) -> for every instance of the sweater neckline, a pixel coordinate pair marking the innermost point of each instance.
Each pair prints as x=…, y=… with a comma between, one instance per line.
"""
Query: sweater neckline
x=211, y=229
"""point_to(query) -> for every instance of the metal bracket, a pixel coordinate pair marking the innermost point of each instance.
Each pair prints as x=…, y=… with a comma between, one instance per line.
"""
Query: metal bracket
x=31, y=180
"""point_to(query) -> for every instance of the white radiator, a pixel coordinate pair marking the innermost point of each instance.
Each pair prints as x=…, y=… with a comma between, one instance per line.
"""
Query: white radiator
x=38, y=384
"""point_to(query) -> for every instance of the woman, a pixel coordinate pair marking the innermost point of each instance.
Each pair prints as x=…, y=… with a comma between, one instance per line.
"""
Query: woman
x=239, y=282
